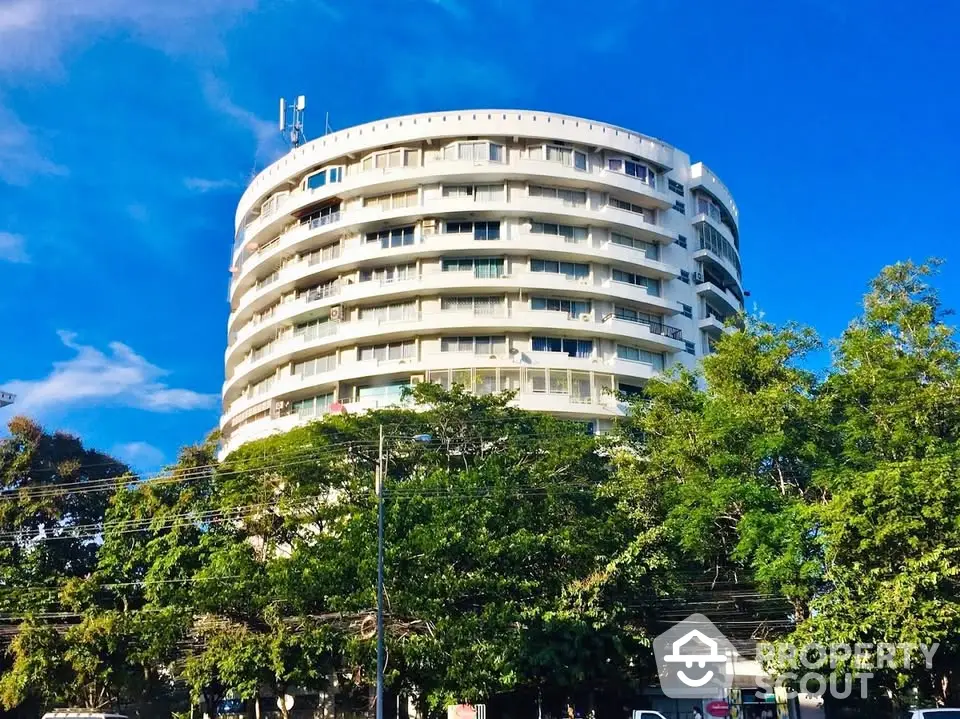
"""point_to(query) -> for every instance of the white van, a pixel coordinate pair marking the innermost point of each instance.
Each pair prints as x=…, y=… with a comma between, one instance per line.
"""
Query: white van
x=81, y=714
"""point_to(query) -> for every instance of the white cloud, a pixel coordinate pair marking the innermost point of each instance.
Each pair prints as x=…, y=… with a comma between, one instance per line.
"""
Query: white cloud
x=20, y=158
x=93, y=378
x=266, y=132
x=13, y=248
x=201, y=184
x=140, y=455
x=35, y=33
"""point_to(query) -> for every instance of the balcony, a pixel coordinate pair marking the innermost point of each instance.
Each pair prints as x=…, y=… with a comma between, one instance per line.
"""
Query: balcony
x=302, y=237
x=712, y=325
x=525, y=367
x=346, y=292
x=382, y=180
x=702, y=178
x=721, y=295
x=654, y=329
x=655, y=336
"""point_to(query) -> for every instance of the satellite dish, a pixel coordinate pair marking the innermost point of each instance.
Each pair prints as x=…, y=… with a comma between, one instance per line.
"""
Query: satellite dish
x=285, y=702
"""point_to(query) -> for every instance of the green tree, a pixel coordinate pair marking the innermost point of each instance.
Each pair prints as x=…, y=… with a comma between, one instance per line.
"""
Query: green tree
x=44, y=479
x=890, y=526
x=730, y=458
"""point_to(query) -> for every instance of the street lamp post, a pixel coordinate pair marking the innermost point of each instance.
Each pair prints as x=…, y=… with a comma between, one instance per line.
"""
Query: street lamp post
x=381, y=478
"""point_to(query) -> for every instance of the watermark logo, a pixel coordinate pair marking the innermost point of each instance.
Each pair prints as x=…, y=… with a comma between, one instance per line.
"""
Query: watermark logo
x=840, y=670
x=694, y=659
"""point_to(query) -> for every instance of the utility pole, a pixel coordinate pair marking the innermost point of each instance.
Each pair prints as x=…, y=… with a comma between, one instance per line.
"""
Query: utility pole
x=380, y=644
x=380, y=489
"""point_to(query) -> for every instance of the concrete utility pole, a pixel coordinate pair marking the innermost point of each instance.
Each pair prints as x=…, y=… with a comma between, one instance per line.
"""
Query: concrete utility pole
x=380, y=490
x=6, y=398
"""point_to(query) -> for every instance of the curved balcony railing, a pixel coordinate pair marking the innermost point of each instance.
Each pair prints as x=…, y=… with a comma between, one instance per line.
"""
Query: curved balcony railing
x=328, y=335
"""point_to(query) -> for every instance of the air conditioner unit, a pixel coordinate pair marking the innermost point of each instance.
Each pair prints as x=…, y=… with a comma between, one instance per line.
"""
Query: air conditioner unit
x=417, y=378
x=336, y=313
x=698, y=277
x=585, y=317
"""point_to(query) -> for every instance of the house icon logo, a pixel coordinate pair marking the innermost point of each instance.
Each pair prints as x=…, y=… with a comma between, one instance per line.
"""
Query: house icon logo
x=694, y=660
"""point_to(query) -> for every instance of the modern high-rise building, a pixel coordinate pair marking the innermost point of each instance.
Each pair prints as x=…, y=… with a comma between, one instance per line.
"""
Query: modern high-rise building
x=558, y=257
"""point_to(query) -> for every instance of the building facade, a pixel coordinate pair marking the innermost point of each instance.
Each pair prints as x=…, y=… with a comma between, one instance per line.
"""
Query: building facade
x=558, y=257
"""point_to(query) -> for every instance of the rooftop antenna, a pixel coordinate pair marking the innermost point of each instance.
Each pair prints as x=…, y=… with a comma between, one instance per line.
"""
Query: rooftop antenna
x=292, y=131
x=326, y=124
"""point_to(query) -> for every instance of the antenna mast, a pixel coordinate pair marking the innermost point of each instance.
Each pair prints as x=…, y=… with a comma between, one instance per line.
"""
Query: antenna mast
x=292, y=131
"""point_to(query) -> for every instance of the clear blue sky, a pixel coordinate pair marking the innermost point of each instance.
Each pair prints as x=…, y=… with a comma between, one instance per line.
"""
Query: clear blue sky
x=129, y=127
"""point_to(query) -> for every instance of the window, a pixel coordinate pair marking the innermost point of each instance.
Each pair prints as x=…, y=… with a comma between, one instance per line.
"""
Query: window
x=319, y=179
x=574, y=308
x=650, y=250
x=480, y=193
x=652, y=286
x=571, y=198
x=482, y=345
x=570, y=233
x=457, y=191
x=563, y=345
x=554, y=153
x=390, y=273
x=681, y=240
x=687, y=310
x=480, y=230
x=676, y=187
x=630, y=207
x=330, y=288
x=474, y=151
x=273, y=204
x=685, y=276
x=262, y=387
x=394, y=200
x=268, y=279
x=630, y=390
x=395, y=312
x=634, y=168
x=706, y=206
x=324, y=254
x=481, y=306
x=397, y=237
x=317, y=365
x=322, y=216
x=488, y=193
x=315, y=329
x=635, y=354
x=680, y=207
x=312, y=406
x=710, y=311
x=391, y=158
x=690, y=347
x=482, y=267
x=711, y=239
x=389, y=351
x=572, y=270
x=262, y=351
x=631, y=315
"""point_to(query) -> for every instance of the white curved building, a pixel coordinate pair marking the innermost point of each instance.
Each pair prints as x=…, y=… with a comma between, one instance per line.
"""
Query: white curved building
x=500, y=249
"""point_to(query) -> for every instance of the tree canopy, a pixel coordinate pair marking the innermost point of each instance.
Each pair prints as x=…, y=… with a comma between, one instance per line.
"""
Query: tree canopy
x=524, y=556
